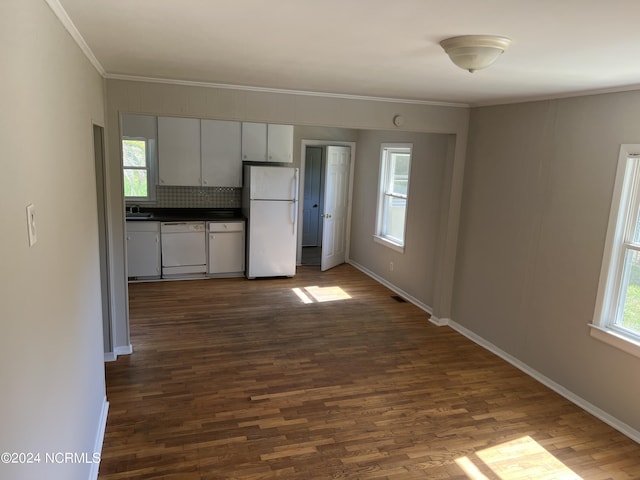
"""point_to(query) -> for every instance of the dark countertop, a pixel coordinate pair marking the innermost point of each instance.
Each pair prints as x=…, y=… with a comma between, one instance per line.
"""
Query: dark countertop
x=184, y=214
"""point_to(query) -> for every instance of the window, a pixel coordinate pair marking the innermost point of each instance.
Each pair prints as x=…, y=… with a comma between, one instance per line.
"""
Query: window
x=136, y=168
x=617, y=316
x=395, y=162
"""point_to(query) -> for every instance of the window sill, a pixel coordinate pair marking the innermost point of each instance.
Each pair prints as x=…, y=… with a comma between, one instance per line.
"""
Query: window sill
x=616, y=339
x=388, y=243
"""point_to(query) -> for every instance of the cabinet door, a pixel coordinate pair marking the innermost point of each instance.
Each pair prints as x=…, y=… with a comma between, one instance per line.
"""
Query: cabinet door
x=226, y=252
x=139, y=126
x=221, y=157
x=143, y=253
x=254, y=142
x=280, y=143
x=179, y=151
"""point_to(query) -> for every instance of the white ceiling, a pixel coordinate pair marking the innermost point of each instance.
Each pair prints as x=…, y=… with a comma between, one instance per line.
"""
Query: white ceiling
x=377, y=48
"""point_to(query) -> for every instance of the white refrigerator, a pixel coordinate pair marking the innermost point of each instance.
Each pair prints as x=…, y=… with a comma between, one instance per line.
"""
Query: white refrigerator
x=270, y=203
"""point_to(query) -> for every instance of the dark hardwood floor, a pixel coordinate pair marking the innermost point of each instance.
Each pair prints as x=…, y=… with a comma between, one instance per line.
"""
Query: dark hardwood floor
x=239, y=379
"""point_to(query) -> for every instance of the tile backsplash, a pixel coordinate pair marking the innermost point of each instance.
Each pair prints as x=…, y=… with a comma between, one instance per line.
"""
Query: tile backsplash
x=198, y=197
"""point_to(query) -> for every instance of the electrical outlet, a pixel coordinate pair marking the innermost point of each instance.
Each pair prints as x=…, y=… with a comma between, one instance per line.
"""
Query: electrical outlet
x=31, y=224
x=391, y=266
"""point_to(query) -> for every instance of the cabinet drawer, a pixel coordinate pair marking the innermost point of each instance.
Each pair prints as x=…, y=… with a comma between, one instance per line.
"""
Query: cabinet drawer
x=226, y=226
x=142, y=226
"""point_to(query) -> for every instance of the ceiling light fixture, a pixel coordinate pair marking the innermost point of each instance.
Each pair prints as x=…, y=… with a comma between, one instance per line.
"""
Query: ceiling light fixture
x=473, y=52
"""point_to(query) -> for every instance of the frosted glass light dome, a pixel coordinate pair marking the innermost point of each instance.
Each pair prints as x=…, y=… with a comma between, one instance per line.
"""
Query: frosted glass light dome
x=474, y=52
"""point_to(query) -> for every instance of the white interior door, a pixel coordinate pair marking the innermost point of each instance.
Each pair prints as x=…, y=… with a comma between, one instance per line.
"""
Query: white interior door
x=336, y=199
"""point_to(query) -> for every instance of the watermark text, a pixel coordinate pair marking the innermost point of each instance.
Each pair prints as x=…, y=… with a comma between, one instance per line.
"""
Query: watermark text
x=25, y=458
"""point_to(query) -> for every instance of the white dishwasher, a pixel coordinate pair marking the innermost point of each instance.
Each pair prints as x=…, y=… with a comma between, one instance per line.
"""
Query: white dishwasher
x=226, y=249
x=184, y=249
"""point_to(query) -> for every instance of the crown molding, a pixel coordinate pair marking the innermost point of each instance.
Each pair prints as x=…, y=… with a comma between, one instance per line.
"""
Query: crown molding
x=558, y=96
x=189, y=83
x=66, y=21
x=61, y=13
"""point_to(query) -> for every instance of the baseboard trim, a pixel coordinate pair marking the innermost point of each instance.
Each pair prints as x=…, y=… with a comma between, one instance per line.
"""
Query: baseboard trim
x=597, y=412
x=113, y=356
x=610, y=420
x=395, y=289
x=124, y=350
x=102, y=425
x=440, y=322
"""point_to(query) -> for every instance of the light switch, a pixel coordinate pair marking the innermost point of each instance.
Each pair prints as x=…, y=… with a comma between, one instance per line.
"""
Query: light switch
x=31, y=224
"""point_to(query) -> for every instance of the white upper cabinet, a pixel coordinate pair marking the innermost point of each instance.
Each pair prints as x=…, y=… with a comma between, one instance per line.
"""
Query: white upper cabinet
x=263, y=142
x=254, y=142
x=280, y=143
x=209, y=153
x=221, y=160
x=179, y=151
x=139, y=126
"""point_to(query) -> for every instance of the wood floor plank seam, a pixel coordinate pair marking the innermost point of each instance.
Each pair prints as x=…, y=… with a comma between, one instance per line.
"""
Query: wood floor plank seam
x=238, y=379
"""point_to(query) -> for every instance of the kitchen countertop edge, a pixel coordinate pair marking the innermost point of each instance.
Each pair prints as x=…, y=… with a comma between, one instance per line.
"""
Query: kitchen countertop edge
x=187, y=215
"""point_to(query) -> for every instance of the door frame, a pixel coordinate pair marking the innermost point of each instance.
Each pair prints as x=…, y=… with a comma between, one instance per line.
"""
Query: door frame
x=325, y=143
x=104, y=248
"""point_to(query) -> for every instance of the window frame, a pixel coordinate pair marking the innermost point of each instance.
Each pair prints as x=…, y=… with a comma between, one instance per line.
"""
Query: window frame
x=623, y=217
x=149, y=168
x=380, y=236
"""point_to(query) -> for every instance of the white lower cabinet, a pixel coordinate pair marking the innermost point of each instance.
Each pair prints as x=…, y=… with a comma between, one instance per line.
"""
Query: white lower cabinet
x=226, y=249
x=143, y=249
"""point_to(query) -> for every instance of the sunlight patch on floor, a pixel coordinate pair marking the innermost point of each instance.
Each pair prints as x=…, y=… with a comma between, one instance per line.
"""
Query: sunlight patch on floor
x=521, y=459
x=320, y=294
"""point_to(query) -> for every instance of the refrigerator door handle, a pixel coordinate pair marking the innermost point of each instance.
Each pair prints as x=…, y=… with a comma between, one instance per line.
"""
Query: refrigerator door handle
x=294, y=216
x=294, y=203
x=296, y=177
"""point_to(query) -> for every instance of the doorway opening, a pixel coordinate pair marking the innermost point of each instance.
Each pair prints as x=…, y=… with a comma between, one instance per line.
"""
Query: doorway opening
x=313, y=204
x=325, y=212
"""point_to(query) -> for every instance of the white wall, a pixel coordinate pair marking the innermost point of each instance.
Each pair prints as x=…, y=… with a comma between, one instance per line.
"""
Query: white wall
x=338, y=115
x=537, y=194
x=51, y=359
x=414, y=270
